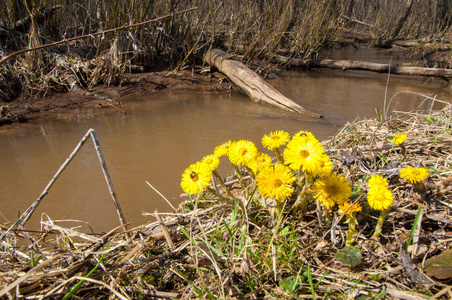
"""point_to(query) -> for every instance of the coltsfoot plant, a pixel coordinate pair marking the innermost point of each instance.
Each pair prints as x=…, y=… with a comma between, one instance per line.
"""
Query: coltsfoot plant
x=299, y=175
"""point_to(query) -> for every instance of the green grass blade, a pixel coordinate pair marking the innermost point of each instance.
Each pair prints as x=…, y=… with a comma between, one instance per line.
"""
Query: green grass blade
x=413, y=228
x=80, y=283
x=311, y=284
x=187, y=235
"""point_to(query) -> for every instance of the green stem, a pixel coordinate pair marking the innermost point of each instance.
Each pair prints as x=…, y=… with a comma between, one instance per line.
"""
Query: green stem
x=211, y=190
x=302, y=200
x=279, y=156
x=379, y=226
x=242, y=183
x=352, y=231
x=251, y=172
x=226, y=189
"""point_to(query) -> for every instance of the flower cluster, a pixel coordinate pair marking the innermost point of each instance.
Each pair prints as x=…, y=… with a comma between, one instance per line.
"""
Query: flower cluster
x=303, y=171
x=301, y=174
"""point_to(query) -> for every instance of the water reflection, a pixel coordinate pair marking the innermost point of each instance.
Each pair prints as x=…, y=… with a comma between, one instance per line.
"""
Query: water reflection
x=156, y=139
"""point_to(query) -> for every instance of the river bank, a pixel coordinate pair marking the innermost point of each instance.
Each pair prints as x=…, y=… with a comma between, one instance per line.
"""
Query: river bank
x=59, y=105
x=215, y=247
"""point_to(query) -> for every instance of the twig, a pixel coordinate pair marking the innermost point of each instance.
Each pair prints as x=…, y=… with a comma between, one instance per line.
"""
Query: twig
x=107, y=179
x=428, y=216
x=164, y=230
x=161, y=195
x=99, y=283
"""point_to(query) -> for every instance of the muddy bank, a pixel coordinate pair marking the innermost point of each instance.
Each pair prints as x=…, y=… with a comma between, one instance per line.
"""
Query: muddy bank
x=107, y=97
x=61, y=105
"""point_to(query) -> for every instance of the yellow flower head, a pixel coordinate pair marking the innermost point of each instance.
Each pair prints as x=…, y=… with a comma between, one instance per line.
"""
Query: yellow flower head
x=332, y=189
x=275, y=182
x=275, y=139
x=305, y=152
x=378, y=180
x=414, y=174
x=349, y=208
x=196, y=178
x=212, y=162
x=260, y=161
x=380, y=198
x=242, y=153
x=399, y=138
x=223, y=149
x=304, y=133
x=326, y=167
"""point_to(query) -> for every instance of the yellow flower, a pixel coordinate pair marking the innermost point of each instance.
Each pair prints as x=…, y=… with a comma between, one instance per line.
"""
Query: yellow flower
x=223, y=149
x=304, y=133
x=399, y=138
x=260, y=161
x=196, y=178
x=332, y=189
x=242, y=153
x=326, y=166
x=305, y=152
x=380, y=198
x=378, y=180
x=414, y=175
x=350, y=208
x=275, y=182
x=212, y=162
x=275, y=139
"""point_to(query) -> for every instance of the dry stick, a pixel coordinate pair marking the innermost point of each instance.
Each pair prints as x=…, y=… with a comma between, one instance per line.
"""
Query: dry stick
x=428, y=216
x=27, y=214
x=107, y=179
x=93, y=34
x=116, y=293
x=167, y=201
x=164, y=230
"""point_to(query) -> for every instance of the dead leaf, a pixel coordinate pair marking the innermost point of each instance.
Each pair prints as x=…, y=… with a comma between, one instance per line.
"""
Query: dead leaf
x=440, y=266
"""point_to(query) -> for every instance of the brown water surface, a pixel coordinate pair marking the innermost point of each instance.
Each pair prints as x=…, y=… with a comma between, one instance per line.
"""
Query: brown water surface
x=157, y=138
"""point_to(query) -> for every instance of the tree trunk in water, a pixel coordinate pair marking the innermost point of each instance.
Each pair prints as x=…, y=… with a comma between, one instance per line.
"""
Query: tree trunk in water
x=252, y=84
x=361, y=65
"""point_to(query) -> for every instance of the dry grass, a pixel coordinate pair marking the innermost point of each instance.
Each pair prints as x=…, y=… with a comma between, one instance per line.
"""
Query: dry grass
x=256, y=29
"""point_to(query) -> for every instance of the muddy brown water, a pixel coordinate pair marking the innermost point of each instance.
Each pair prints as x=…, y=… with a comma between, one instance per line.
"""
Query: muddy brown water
x=159, y=136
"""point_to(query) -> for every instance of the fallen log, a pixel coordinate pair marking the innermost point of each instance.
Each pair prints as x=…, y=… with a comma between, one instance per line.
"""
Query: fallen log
x=443, y=46
x=251, y=83
x=362, y=65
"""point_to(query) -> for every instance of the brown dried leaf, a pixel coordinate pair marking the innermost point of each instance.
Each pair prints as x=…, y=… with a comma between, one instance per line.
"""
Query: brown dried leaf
x=440, y=266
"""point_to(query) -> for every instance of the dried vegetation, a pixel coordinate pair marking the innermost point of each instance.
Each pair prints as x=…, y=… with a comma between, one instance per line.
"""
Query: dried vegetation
x=254, y=29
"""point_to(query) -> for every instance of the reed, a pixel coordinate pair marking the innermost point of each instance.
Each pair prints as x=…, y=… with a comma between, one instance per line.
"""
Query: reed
x=256, y=29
